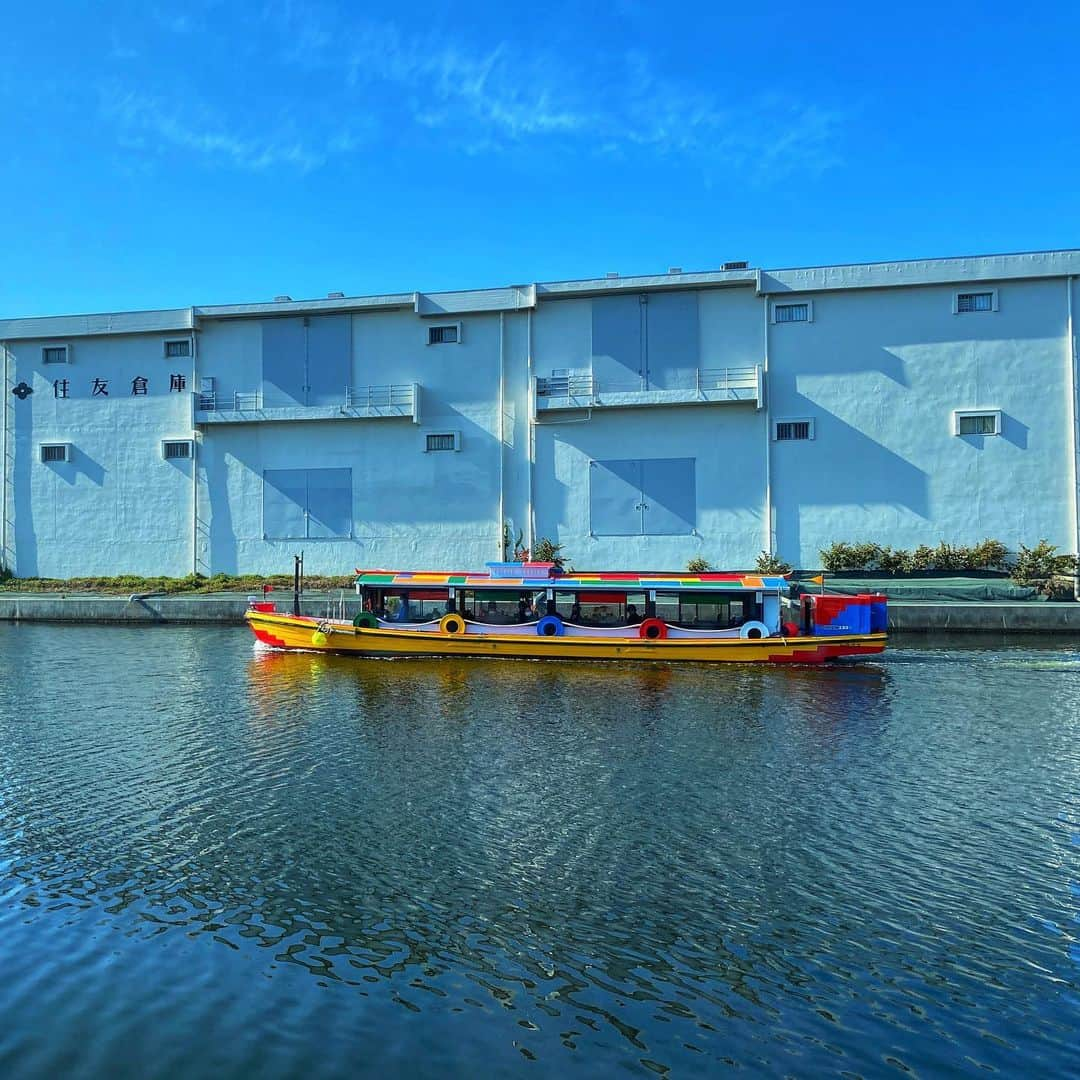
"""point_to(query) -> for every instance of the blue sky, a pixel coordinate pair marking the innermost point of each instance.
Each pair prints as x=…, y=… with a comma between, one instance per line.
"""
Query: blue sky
x=162, y=154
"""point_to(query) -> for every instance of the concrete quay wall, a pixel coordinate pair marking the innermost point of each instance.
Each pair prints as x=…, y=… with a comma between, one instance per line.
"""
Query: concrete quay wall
x=221, y=609
x=228, y=609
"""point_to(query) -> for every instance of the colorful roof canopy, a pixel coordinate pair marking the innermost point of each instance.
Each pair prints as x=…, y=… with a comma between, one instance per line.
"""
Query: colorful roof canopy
x=632, y=581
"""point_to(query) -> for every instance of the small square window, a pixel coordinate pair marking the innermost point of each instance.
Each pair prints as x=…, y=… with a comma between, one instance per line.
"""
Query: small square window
x=54, y=354
x=966, y=302
x=54, y=452
x=443, y=440
x=793, y=430
x=177, y=348
x=786, y=313
x=444, y=335
x=977, y=422
x=174, y=450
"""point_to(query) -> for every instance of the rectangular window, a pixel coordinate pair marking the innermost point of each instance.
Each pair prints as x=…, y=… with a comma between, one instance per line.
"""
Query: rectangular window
x=444, y=335
x=802, y=312
x=179, y=347
x=53, y=452
x=55, y=354
x=443, y=440
x=793, y=430
x=300, y=504
x=964, y=302
x=173, y=450
x=972, y=422
x=702, y=611
x=651, y=497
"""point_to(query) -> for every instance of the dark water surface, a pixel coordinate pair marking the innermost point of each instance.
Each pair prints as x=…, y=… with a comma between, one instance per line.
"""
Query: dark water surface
x=219, y=861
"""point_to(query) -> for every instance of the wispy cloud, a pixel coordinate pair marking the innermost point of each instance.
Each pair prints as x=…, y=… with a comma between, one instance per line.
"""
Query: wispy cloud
x=148, y=121
x=491, y=99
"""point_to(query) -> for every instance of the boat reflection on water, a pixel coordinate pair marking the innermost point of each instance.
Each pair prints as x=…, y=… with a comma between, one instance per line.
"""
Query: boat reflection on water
x=450, y=689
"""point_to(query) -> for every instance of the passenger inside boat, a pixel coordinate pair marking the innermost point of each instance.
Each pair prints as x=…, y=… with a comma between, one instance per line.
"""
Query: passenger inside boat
x=495, y=607
x=600, y=608
x=707, y=611
x=418, y=606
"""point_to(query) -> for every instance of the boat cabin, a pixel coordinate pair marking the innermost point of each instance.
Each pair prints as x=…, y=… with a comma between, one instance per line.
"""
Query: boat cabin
x=601, y=601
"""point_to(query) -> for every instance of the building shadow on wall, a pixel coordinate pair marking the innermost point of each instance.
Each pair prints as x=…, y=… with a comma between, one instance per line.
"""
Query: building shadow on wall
x=860, y=361
x=855, y=471
x=217, y=527
x=81, y=464
x=1012, y=430
x=24, y=538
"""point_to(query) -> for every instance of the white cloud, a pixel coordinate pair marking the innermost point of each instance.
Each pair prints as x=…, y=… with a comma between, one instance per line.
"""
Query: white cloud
x=489, y=99
x=148, y=121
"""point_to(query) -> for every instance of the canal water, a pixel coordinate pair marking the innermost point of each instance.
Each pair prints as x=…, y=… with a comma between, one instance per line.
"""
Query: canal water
x=216, y=860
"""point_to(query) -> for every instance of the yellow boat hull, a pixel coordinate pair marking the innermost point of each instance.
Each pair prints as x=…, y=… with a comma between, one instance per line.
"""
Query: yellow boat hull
x=283, y=631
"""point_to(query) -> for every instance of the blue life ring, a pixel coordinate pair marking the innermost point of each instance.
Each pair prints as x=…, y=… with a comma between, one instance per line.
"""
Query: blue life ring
x=550, y=626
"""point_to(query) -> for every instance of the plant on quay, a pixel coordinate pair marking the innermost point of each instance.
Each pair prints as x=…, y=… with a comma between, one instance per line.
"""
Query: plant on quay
x=987, y=555
x=1044, y=568
x=768, y=563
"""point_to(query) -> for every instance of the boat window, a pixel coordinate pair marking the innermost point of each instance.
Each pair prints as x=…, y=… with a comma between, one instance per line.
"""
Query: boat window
x=705, y=611
x=501, y=606
x=415, y=607
x=601, y=608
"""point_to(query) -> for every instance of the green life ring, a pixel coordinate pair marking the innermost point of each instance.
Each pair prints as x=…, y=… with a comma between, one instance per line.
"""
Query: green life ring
x=367, y=620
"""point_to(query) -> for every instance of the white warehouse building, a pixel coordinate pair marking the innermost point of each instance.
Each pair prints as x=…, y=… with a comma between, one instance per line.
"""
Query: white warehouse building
x=638, y=421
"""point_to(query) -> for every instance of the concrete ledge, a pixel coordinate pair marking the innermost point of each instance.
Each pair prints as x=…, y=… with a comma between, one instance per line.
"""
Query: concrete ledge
x=223, y=608
x=992, y=617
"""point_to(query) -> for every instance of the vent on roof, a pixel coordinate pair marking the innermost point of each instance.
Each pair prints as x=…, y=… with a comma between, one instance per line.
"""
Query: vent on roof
x=741, y=265
x=612, y=273
x=674, y=270
x=283, y=299
x=335, y=296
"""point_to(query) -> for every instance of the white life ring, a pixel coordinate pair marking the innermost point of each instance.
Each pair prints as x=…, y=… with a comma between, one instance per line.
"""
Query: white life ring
x=753, y=629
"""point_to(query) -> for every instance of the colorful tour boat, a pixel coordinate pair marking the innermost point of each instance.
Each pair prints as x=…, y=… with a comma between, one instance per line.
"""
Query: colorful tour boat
x=531, y=610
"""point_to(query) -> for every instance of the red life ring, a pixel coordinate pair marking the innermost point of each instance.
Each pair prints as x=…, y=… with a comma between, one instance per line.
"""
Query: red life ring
x=653, y=630
x=790, y=629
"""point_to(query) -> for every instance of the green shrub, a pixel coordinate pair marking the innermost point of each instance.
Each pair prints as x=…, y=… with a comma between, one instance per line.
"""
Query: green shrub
x=922, y=558
x=896, y=561
x=1041, y=565
x=698, y=565
x=988, y=555
x=850, y=556
x=768, y=563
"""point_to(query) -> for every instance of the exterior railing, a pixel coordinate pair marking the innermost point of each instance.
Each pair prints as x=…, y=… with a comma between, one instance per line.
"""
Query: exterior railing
x=239, y=401
x=701, y=380
x=369, y=398
x=391, y=396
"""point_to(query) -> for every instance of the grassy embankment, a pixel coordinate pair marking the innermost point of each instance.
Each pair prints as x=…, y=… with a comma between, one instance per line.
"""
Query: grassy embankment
x=125, y=584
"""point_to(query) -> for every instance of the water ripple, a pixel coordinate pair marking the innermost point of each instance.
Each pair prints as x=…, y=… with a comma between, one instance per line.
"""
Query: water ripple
x=221, y=860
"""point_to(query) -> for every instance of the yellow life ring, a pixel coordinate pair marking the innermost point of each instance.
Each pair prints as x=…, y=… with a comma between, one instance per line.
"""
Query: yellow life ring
x=452, y=624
